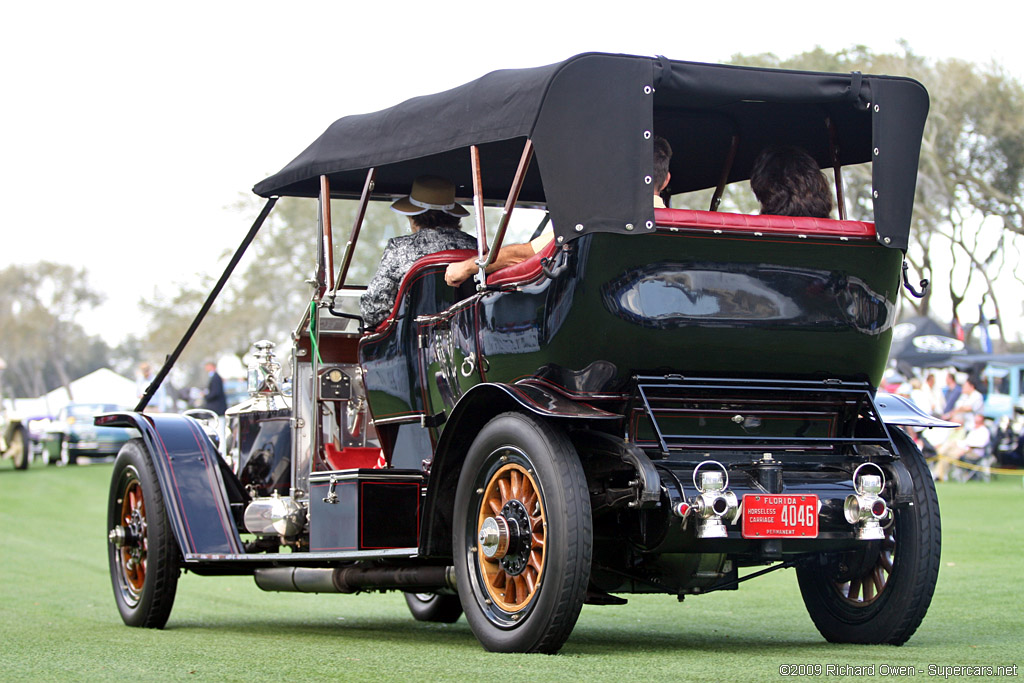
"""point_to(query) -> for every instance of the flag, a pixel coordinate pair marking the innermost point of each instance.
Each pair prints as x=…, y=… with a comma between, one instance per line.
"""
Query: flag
x=958, y=329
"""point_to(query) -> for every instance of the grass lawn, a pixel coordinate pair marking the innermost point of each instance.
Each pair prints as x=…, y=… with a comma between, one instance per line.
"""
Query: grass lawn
x=58, y=620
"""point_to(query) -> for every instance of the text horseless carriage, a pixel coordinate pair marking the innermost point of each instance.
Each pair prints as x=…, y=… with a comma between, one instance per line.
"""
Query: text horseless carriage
x=660, y=398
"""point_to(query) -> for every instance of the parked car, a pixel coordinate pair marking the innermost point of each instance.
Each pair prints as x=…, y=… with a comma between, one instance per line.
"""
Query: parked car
x=660, y=399
x=1002, y=376
x=21, y=438
x=72, y=434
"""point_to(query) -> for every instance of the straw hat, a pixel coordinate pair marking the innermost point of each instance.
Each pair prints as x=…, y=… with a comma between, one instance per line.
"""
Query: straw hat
x=430, y=192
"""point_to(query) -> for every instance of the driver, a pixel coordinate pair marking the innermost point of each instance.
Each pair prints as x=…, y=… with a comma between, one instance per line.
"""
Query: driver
x=434, y=217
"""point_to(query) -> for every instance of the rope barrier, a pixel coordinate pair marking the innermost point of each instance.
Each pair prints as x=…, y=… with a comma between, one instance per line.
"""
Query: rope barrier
x=977, y=468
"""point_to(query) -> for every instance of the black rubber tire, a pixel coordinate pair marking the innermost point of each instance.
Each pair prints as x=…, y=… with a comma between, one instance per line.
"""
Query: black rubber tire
x=435, y=608
x=561, y=572
x=914, y=540
x=20, y=448
x=145, y=600
x=66, y=456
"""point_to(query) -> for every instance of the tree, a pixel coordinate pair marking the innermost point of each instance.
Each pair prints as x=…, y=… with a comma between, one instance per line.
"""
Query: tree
x=270, y=290
x=971, y=183
x=42, y=343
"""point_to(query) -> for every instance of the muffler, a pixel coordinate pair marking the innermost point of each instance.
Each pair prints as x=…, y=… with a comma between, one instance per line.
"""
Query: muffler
x=355, y=579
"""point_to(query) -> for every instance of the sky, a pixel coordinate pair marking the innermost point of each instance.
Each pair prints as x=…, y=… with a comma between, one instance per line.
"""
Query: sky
x=129, y=131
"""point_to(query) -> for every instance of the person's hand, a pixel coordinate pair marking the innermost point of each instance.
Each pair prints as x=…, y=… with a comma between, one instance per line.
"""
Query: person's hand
x=457, y=273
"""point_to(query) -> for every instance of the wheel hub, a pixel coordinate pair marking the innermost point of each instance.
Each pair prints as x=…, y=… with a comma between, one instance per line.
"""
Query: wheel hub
x=494, y=537
x=520, y=538
x=129, y=539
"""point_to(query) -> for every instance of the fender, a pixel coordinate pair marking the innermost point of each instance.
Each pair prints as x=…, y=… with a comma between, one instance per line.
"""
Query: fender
x=474, y=409
x=189, y=472
x=896, y=410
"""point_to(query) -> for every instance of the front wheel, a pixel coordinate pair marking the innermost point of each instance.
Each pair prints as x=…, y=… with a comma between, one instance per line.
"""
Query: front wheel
x=522, y=535
x=434, y=607
x=144, y=557
x=880, y=594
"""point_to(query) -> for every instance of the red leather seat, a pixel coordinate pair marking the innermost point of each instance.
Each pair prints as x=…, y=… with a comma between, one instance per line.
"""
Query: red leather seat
x=524, y=271
x=418, y=270
x=780, y=225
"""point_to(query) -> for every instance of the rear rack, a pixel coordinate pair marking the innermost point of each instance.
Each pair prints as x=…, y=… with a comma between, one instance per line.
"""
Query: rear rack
x=730, y=416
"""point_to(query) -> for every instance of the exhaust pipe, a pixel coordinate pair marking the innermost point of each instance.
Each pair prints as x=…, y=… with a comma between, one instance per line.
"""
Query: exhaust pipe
x=355, y=579
x=865, y=507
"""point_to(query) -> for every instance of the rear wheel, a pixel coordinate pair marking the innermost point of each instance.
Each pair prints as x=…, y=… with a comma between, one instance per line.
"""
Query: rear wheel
x=522, y=535
x=144, y=557
x=443, y=609
x=67, y=456
x=19, y=449
x=880, y=594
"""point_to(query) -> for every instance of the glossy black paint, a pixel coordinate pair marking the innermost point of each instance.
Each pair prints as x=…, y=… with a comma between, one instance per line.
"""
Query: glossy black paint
x=693, y=304
x=192, y=480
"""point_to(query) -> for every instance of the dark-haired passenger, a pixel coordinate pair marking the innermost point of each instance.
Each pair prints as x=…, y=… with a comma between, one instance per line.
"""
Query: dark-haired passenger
x=788, y=182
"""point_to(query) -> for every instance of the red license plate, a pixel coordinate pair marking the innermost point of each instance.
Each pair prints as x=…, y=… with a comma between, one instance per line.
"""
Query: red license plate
x=780, y=516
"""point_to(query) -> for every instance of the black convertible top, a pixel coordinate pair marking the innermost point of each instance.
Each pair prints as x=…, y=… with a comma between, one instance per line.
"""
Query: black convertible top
x=589, y=118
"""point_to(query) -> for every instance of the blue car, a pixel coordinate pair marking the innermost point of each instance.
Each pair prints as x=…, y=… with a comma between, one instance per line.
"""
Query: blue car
x=73, y=434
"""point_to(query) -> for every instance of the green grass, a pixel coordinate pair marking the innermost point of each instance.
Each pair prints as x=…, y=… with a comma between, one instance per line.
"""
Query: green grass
x=58, y=620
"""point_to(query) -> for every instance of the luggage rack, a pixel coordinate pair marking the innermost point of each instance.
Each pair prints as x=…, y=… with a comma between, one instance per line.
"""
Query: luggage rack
x=684, y=414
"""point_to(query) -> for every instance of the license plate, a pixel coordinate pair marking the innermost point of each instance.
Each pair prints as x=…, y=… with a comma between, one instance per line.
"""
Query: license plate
x=780, y=516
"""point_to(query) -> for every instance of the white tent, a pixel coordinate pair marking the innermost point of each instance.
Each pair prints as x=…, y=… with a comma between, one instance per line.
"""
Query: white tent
x=100, y=386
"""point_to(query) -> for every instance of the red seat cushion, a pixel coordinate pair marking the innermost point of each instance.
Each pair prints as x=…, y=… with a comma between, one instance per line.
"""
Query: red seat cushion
x=524, y=271
x=786, y=225
x=353, y=457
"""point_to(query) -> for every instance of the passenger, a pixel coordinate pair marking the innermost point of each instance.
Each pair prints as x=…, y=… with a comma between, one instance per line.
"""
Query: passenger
x=787, y=182
x=434, y=217
x=511, y=254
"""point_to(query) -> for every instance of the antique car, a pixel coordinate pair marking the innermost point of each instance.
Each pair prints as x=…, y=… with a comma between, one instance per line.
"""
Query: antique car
x=20, y=438
x=73, y=434
x=663, y=400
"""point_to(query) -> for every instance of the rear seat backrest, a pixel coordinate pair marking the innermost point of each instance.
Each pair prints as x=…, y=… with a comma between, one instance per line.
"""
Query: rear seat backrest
x=524, y=271
x=416, y=271
x=787, y=225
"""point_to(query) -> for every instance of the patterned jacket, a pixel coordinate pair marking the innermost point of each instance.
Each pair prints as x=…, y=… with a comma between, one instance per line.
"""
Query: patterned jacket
x=399, y=255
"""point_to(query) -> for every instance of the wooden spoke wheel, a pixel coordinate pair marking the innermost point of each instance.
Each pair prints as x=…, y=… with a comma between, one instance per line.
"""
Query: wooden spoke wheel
x=522, y=538
x=144, y=557
x=880, y=592
x=19, y=449
x=129, y=537
x=441, y=608
x=867, y=587
x=511, y=534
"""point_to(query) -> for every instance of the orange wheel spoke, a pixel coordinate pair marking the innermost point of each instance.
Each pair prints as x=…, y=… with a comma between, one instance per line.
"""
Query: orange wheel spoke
x=530, y=579
x=522, y=590
x=495, y=505
x=512, y=580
